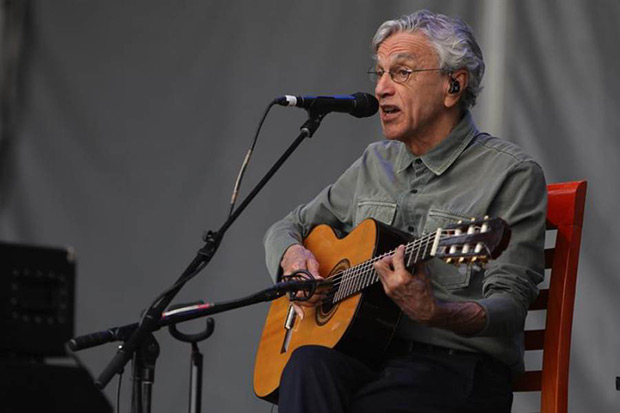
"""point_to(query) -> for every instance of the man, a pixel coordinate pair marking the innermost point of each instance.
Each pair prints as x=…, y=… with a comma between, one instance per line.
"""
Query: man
x=460, y=340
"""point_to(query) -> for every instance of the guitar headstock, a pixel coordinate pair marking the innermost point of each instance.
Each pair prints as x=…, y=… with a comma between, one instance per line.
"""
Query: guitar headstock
x=473, y=242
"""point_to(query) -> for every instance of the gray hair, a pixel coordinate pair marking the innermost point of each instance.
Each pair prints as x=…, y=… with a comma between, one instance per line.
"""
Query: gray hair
x=452, y=39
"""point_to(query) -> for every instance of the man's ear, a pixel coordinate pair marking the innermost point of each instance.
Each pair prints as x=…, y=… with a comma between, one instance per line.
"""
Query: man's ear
x=455, y=87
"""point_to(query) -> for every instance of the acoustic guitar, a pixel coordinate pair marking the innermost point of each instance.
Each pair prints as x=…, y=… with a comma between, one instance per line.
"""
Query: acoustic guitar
x=356, y=317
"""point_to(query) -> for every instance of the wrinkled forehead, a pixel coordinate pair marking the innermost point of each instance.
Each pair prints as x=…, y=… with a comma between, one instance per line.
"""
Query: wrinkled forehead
x=405, y=48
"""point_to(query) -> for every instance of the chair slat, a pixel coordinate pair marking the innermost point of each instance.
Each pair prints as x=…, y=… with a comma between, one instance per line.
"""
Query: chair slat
x=542, y=301
x=534, y=339
x=529, y=381
x=549, y=254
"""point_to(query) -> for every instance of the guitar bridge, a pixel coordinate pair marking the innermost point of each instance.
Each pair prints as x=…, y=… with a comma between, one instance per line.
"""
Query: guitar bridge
x=288, y=326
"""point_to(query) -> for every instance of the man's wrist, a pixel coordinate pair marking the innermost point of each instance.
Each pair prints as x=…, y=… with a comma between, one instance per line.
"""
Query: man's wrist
x=465, y=318
x=292, y=247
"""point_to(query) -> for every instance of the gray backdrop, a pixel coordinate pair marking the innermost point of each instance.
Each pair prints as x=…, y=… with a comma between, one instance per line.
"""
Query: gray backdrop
x=135, y=117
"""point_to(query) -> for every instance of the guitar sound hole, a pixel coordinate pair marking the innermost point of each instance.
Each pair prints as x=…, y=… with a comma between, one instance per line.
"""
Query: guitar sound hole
x=325, y=313
x=327, y=309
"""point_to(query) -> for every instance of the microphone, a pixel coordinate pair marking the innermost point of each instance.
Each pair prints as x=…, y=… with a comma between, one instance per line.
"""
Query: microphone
x=360, y=105
x=101, y=337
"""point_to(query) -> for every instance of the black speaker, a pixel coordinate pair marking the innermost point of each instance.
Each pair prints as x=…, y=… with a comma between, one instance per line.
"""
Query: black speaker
x=37, y=294
x=36, y=387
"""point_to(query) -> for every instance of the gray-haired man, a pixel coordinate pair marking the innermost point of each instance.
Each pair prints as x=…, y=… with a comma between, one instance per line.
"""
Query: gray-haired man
x=460, y=341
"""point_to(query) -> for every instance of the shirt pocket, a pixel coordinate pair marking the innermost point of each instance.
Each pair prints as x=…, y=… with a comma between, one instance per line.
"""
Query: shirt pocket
x=448, y=276
x=383, y=211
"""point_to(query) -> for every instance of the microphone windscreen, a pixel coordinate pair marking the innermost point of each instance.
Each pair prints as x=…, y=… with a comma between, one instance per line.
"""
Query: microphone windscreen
x=365, y=105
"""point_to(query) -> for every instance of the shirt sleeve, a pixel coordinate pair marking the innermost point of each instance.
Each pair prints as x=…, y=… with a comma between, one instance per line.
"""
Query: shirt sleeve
x=510, y=282
x=332, y=206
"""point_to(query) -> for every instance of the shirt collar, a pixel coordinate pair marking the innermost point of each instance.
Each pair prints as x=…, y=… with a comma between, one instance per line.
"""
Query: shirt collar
x=439, y=159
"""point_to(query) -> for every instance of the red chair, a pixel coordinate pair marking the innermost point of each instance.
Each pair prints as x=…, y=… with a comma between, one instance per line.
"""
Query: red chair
x=565, y=214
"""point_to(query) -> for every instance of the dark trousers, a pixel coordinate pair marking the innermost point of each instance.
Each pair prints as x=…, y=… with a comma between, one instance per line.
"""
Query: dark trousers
x=319, y=379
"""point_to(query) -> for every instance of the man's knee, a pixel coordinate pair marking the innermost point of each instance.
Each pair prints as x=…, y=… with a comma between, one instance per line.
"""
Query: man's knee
x=308, y=359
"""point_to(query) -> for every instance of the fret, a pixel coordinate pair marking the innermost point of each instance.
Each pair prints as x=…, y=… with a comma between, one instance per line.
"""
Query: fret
x=338, y=282
x=336, y=286
x=341, y=285
x=362, y=275
x=350, y=281
x=345, y=290
x=363, y=278
x=410, y=258
x=357, y=286
x=356, y=279
x=426, y=247
x=373, y=277
x=368, y=277
x=343, y=279
x=417, y=252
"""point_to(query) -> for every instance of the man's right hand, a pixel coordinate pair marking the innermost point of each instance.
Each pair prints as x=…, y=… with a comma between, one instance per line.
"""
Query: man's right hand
x=297, y=258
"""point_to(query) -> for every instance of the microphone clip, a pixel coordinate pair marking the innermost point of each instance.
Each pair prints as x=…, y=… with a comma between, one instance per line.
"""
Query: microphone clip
x=312, y=124
x=302, y=281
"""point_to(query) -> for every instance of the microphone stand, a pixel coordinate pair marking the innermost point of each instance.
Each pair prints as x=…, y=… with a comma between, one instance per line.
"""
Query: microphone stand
x=196, y=310
x=212, y=241
x=144, y=359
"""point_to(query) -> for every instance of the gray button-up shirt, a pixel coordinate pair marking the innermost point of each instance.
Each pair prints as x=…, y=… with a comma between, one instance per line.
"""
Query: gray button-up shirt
x=467, y=175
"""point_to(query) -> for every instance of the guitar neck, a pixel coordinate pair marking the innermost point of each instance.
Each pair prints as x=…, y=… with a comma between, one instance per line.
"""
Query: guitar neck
x=355, y=279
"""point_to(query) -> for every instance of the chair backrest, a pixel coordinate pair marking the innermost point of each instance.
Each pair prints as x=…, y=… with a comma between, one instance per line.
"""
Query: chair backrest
x=564, y=214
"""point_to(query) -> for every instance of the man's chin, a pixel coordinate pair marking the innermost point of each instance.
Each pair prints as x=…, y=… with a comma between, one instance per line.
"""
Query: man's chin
x=393, y=136
x=392, y=132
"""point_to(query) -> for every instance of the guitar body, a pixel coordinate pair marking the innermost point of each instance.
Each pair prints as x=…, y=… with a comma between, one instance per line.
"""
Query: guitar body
x=361, y=325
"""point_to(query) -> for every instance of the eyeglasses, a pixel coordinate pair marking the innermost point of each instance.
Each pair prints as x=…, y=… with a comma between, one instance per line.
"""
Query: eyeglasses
x=398, y=75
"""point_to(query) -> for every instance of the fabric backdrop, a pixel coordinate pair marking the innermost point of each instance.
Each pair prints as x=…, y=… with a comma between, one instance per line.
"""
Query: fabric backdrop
x=135, y=117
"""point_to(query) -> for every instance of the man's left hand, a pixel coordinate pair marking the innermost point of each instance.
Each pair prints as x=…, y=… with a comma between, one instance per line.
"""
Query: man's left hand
x=413, y=293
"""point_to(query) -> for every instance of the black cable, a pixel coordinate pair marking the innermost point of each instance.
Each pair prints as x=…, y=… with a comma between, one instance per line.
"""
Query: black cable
x=118, y=392
x=246, y=160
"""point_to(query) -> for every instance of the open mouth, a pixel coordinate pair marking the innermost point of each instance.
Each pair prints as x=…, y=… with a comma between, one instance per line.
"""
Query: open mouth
x=389, y=110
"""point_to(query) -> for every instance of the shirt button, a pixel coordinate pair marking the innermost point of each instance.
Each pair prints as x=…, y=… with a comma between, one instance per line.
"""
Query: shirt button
x=410, y=228
x=418, y=161
x=414, y=191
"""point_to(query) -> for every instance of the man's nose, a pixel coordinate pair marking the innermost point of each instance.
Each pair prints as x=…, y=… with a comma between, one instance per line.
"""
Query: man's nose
x=384, y=86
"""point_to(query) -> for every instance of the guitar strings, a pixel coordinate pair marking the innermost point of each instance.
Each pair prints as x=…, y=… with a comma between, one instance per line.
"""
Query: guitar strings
x=359, y=276
x=408, y=248
x=353, y=275
x=361, y=269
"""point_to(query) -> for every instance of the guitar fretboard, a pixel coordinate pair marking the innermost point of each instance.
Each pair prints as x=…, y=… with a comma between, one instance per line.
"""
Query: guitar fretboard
x=354, y=279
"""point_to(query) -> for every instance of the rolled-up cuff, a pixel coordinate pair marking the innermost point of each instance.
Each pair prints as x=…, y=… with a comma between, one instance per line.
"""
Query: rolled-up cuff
x=503, y=314
x=276, y=247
